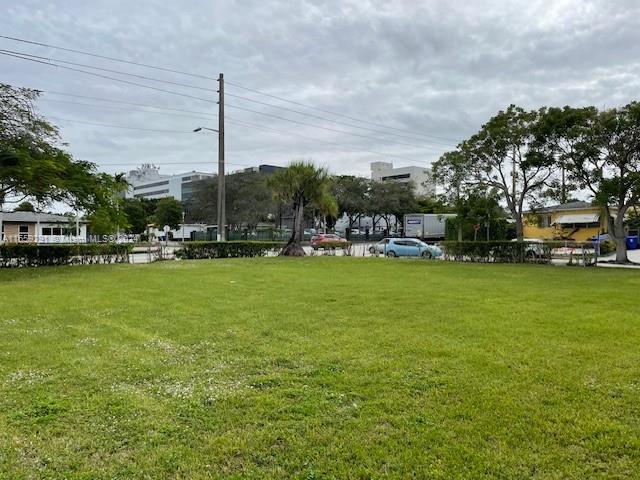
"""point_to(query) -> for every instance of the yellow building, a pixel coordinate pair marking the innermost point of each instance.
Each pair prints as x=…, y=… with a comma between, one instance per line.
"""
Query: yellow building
x=577, y=221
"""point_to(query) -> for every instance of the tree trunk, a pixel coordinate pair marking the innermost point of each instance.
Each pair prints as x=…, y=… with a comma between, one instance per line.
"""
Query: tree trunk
x=459, y=222
x=1, y=218
x=519, y=228
x=294, y=247
x=620, y=238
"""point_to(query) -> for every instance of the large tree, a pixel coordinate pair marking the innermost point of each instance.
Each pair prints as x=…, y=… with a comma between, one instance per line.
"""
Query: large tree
x=139, y=213
x=34, y=164
x=390, y=200
x=352, y=195
x=479, y=216
x=105, y=210
x=450, y=170
x=300, y=185
x=557, y=133
x=31, y=158
x=248, y=198
x=504, y=155
x=168, y=212
x=605, y=160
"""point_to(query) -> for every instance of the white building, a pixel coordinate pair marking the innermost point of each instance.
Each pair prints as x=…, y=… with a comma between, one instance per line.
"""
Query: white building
x=147, y=182
x=421, y=177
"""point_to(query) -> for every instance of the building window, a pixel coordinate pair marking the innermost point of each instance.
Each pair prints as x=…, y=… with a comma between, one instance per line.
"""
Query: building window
x=23, y=233
x=401, y=176
x=46, y=230
x=545, y=220
x=148, y=194
x=56, y=231
x=151, y=185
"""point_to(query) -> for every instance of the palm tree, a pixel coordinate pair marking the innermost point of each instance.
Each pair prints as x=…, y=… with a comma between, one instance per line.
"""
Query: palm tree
x=327, y=207
x=301, y=184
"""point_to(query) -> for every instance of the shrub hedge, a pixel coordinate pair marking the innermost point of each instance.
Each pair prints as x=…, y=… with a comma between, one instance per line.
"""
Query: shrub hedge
x=235, y=249
x=499, y=251
x=33, y=255
x=333, y=245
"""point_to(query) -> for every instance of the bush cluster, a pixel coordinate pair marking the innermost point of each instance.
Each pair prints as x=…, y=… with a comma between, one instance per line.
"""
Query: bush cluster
x=334, y=245
x=607, y=247
x=499, y=251
x=33, y=255
x=198, y=250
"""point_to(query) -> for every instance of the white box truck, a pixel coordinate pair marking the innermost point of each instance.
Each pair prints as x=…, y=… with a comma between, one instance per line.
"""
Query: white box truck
x=426, y=226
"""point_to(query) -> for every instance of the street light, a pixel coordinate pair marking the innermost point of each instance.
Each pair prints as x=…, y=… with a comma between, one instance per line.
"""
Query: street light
x=221, y=234
x=205, y=128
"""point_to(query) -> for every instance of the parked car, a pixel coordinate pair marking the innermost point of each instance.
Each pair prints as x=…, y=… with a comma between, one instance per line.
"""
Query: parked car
x=323, y=238
x=378, y=247
x=405, y=247
x=534, y=248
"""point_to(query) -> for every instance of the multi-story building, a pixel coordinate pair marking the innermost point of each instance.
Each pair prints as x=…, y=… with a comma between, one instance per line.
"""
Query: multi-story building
x=265, y=169
x=147, y=182
x=421, y=177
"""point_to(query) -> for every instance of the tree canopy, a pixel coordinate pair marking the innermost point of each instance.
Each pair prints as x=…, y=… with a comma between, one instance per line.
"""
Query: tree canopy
x=35, y=166
x=504, y=155
x=168, y=212
x=605, y=160
x=248, y=198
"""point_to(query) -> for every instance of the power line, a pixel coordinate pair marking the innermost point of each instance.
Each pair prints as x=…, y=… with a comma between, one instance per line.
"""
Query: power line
x=338, y=122
x=180, y=72
x=230, y=119
x=326, y=128
x=54, y=62
x=344, y=132
x=104, y=57
x=110, y=100
x=233, y=120
x=339, y=114
x=346, y=147
x=118, y=126
x=109, y=70
x=126, y=164
x=122, y=109
x=115, y=79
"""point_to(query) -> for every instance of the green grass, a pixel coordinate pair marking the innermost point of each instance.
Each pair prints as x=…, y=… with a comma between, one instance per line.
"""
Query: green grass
x=319, y=368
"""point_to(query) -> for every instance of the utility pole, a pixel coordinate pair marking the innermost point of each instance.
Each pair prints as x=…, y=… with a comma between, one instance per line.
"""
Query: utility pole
x=563, y=190
x=222, y=234
x=183, y=214
x=513, y=174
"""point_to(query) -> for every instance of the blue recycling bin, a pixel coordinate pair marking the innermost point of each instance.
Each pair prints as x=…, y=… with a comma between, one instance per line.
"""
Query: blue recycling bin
x=632, y=243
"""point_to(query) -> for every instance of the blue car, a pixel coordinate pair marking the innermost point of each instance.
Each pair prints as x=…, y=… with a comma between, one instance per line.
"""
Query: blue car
x=407, y=247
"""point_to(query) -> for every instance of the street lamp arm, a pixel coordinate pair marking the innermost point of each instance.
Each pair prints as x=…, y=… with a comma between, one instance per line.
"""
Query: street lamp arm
x=205, y=128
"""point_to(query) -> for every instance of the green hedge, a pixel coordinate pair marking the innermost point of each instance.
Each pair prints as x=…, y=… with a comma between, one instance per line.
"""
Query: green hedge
x=198, y=250
x=32, y=255
x=499, y=251
x=333, y=245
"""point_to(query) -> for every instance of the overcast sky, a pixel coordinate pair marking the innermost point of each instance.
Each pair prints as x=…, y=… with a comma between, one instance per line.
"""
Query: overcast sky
x=432, y=71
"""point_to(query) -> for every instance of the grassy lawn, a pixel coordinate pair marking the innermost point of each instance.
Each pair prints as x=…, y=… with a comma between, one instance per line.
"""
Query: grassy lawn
x=319, y=368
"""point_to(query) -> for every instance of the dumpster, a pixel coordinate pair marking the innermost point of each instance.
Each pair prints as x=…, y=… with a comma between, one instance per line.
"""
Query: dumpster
x=632, y=243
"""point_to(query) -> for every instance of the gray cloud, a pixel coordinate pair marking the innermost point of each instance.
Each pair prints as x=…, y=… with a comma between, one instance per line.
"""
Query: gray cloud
x=438, y=68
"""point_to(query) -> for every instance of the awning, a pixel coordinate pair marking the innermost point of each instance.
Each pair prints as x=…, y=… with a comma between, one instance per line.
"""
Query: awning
x=570, y=219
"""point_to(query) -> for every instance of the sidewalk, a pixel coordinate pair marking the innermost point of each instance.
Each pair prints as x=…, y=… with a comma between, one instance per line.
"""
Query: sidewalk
x=633, y=255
